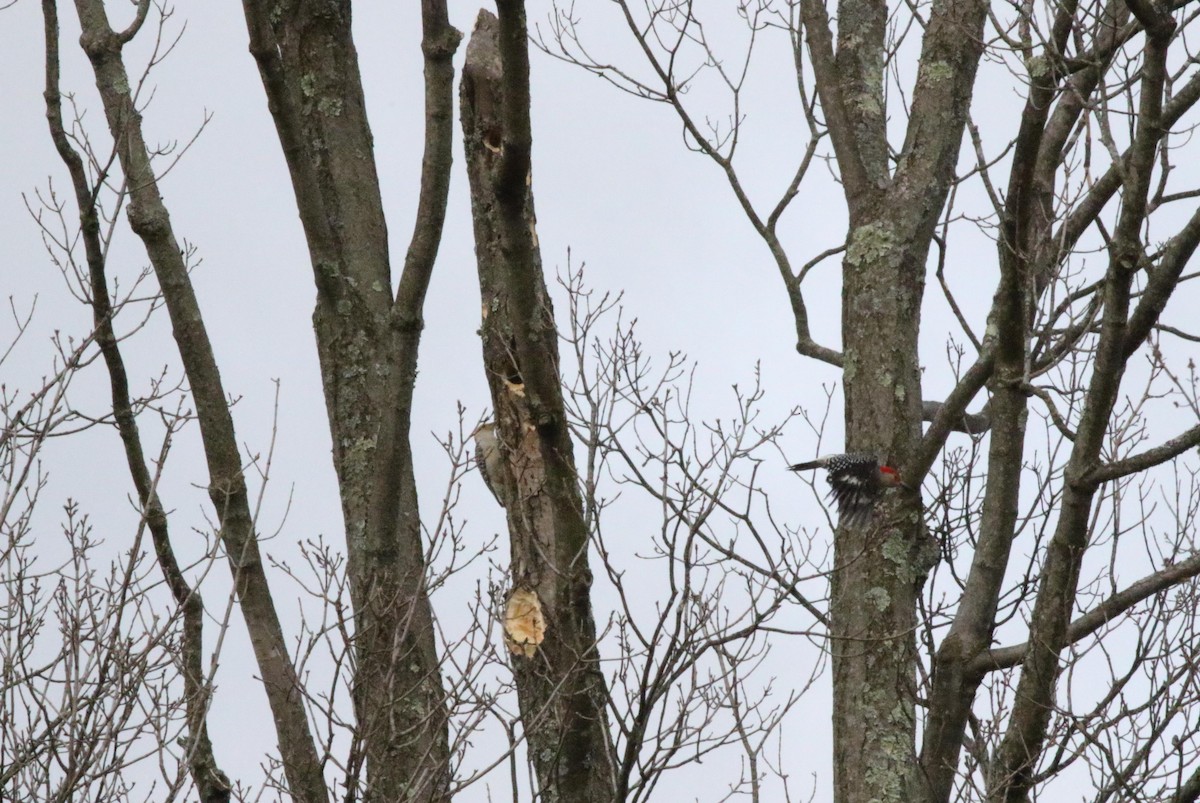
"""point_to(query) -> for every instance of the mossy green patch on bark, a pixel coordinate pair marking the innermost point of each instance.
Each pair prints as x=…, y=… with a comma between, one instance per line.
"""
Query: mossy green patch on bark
x=871, y=242
x=1038, y=66
x=330, y=107
x=938, y=71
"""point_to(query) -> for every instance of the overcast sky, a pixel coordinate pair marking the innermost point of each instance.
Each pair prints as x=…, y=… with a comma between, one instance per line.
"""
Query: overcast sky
x=613, y=182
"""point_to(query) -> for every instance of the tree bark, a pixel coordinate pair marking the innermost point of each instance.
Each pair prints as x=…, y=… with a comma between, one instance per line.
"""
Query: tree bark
x=1025, y=229
x=560, y=687
x=367, y=343
x=879, y=569
x=1035, y=695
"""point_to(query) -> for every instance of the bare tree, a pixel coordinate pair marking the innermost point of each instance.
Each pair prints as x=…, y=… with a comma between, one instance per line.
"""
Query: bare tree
x=419, y=695
x=983, y=633
x=561, y=689
x=1057, y=341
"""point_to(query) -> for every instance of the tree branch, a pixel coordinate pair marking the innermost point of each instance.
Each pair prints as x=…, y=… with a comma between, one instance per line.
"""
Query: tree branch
x=1008, y=657
x=855, y=177
x=212, y=784
x=149, y=219
x=951, y=416
x=1161, y=284
x=1025, y=737
x=1145, y=460
x=966, y=423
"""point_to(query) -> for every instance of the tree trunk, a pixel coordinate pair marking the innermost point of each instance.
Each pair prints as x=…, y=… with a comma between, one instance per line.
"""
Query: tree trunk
x=561, y=689
x=1022, y=745
x=149, y=219
x=212, y=785
x=367, y=343
x=879, y=569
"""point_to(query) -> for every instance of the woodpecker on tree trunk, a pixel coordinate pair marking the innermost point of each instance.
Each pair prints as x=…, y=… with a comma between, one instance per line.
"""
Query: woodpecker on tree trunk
x=856, y=482
x=489, y=461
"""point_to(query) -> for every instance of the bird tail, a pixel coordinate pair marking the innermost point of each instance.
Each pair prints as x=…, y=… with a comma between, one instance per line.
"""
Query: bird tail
x=805, y=466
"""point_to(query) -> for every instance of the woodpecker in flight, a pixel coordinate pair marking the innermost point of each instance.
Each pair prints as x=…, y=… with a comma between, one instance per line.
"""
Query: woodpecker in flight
x=856, y=481
x=489, y=461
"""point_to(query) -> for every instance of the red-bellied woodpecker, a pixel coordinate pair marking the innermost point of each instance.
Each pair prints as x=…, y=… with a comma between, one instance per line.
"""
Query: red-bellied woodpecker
x=489, y=461
x=856, y=482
